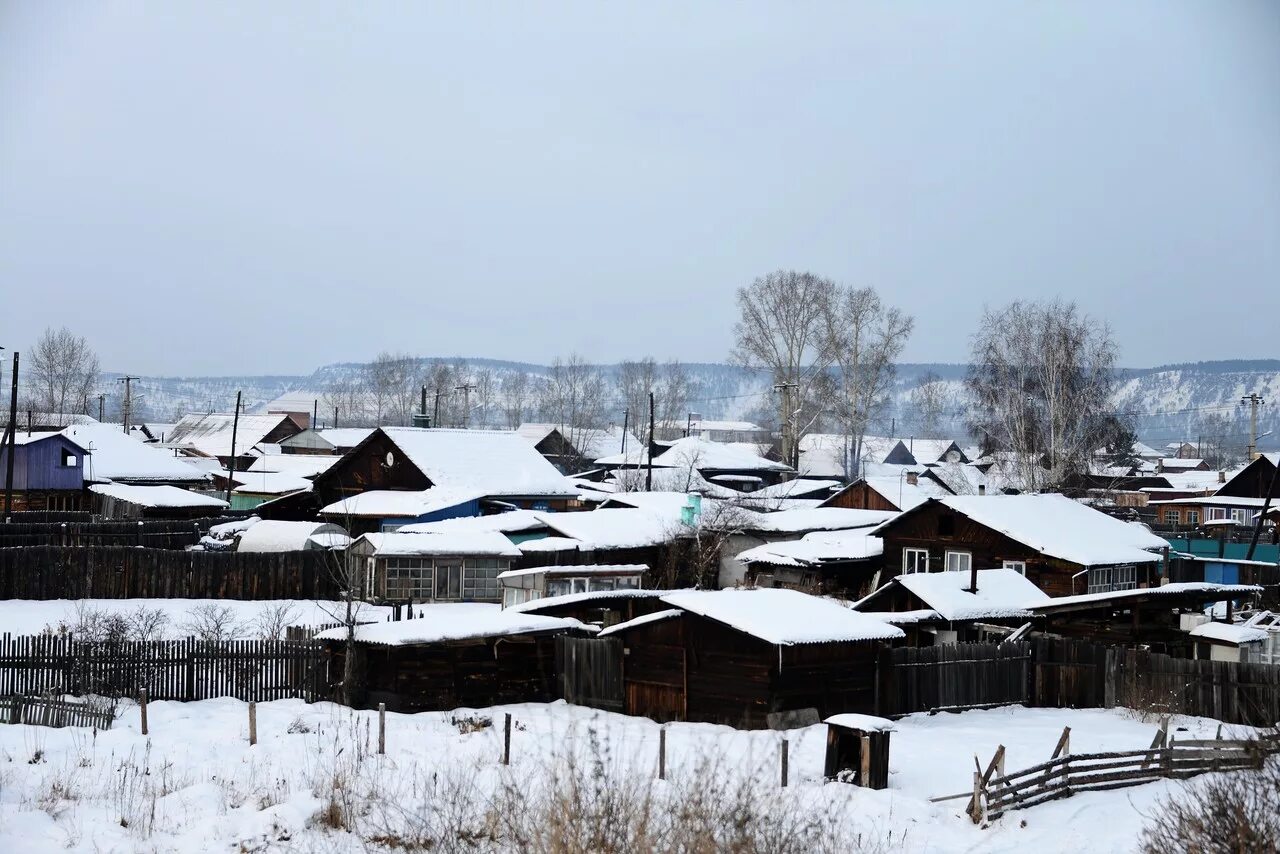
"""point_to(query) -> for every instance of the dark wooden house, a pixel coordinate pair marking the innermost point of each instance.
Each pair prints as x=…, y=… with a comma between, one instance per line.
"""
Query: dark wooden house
x=1060, y=545
x=884, y=492
x=738, y=657
x=449, y=656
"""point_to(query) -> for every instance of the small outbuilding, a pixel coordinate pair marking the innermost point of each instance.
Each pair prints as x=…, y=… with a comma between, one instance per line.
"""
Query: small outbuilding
x=858, y=750
x=123, y=501
x=459, y=566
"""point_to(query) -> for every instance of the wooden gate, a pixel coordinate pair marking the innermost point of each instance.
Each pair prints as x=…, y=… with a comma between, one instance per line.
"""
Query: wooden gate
x=590, y=671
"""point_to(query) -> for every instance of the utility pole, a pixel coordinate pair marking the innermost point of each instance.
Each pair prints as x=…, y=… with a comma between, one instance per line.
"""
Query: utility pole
x=128, y=399
x=423, y=408
x=435, y=413
x=626, y=418
x=315, y=414
x=1253, y=402
x=788, y=440
x=466, y=389
x=648, y=478
x=12, y=436
x=231, y=467
x=688, y=425
x=102, y=404
x=335, y=417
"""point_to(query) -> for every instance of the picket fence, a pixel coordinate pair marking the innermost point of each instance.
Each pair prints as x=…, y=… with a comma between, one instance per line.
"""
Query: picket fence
x=52, y=712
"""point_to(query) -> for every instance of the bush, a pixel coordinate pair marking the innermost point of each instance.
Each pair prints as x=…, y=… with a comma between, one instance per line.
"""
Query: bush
x=1237, y=813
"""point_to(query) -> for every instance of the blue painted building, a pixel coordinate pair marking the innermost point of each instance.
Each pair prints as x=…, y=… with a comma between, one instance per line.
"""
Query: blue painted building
x=48, y=472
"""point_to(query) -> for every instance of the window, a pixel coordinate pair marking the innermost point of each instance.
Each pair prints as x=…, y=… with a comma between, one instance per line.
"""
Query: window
x=1019, y=566
x=1171, y=517
x=915, y=560
x=449, y=579
x=958, y=562
x=603, y=583
x=558, y=587
x=408, y=578
x=1193, y=517
x=1242, y=517
x=1105, y=579
x=69, y=460
x=1217, y=513
x=480, y=579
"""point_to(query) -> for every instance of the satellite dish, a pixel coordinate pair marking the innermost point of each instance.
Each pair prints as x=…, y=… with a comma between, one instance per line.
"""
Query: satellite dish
x=391, y=459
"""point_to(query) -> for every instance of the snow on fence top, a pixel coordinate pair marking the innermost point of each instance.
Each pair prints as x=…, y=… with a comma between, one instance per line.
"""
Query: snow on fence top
x=489, y=462
x=454, y=622
x=1002, y=593
x=488, y=543
x=783, y=617
x=157, y=496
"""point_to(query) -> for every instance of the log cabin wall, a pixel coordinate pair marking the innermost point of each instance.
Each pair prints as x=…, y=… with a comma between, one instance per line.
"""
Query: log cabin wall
x=860, y=496
x=365, y=468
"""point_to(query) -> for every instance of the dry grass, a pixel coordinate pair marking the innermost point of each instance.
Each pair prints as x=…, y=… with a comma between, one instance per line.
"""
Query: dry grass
x=1234, y=813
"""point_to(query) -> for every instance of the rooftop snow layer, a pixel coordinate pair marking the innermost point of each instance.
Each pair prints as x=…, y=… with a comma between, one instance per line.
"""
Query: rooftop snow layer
x=489, y=543
x=1002, y=593
x=299, y=465
x=1207, y=588
x=391, y=503
x=866, y=723
x=1228, y=633
x=115, y=456
x=816, y=548
x=578, y=569
x=211, y=434
x=157, y=496
x=452, y=622
x=655, y=617
x=783, y=617
x=589, y=596
x=511, y=522
x=270, y=535
x=487, y=462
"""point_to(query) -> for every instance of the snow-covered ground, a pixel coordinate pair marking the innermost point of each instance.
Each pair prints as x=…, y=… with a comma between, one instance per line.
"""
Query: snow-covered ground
x=195, y=784
x=27, y=617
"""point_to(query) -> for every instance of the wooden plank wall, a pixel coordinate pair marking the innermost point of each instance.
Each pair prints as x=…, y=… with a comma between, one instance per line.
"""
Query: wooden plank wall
x=590, y=671
x=46, y=572
x=190, y=669
x=952, y=677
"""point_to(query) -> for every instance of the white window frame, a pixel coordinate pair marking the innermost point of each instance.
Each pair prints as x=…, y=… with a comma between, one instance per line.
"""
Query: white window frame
x=920, y=566
x=968, y=561
x=1108, y=579
x=1243, y=516
x=1217, y=513
x=1019, y=566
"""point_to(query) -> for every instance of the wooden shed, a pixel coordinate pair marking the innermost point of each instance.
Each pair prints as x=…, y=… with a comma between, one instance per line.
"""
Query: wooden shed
x=448, y=656
x=736, y=656
x=858, y=750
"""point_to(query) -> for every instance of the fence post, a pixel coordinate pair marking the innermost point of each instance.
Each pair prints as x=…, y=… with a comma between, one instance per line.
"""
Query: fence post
x=785, y=760
x=506, y=740
x=662, y=753
x=865, y=771
x=1064, y=743
x=382, y=728
x=253, y=723
x=142, y=709
x=976, y=812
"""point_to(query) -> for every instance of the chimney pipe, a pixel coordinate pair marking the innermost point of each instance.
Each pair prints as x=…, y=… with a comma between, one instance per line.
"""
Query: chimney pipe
x=982, y=489
x=1222, y=477
x=912, y=478
x=973, y=576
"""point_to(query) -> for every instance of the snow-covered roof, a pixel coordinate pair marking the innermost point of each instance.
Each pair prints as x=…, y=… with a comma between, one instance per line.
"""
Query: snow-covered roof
x=488, y=543
x=817, y=548
x=1059, y=527
x=905, y=618
x=549, y=544
x=454, y=622
x=782, y=617
x=811, y=519
x=589, y=596
x=699, y=453
x=1002, y=593
x=268, y=483
x=960, y=478
x=399, y=504
x=679, y=480
x=298, y=465
x=345, y=437
x=1180, y=463
x=614, y=528
x=157, y=496
x=271, y=535
x=931, y=450
x=1213, y=501
x=210, y=434
x=1228, y=633
x=795, y=488
x=866, y=723
x=644, y=619
x=225, y=530
x=1205, y=590
x=575, y=570
x=487, y=462
x=115, y=456
x=510, y=522
x=903, y=495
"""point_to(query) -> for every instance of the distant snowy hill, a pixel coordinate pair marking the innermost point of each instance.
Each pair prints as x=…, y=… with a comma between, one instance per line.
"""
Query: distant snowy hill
x=1168, y=401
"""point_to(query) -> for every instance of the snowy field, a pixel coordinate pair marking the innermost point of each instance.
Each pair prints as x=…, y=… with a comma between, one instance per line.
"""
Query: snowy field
x=29, y=617
x=197, y=785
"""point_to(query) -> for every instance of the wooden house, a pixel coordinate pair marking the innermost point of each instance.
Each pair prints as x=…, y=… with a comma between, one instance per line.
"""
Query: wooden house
x=453, y=567
x=736, y=657
x=115, y=457
x=846, y=562
x=1060, y=545
x=48, y=471
x=213, y=434
x=598, y=607
x=491, y=466
x=907, y=489
x=538, y=582
x=450, y=656
x=733, y=467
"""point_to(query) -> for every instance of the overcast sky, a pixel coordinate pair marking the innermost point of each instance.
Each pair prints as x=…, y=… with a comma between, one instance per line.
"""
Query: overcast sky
x=226, y=188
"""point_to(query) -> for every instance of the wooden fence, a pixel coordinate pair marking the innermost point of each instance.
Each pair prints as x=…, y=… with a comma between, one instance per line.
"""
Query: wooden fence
x=590, y=671
x=151, y=533
x=1065, y=775
x=1056, y=673
x=169, y=670
x=952, y=677
x=47, y=572
x=50, y=712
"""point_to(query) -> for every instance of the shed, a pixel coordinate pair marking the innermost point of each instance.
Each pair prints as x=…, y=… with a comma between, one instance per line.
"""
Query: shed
x=125, y=501
x=453, y=655
x=459, y=566
x=858, y=750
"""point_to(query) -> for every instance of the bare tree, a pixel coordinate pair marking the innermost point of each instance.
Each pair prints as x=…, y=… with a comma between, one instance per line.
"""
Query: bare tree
x=212, y=622
x=635, y=380
x=781, y=327
x=346, y=399
x=482, y=400
x=1222, y=443
x=274, y=618
x=863, y=338
x=675, y=387
x=384, y=379
x=930, y=401
x=1040, y=385
x=515, y=398
x=147, y=624
x=574, y=399
x=62, y=372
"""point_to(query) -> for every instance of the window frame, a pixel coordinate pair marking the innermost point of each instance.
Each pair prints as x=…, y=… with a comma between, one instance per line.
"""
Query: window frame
x=1019, y=566
x=946, y=560
x=908, y=566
